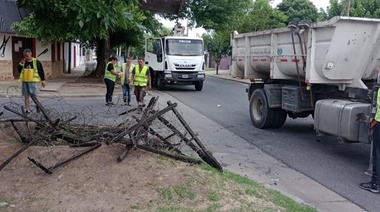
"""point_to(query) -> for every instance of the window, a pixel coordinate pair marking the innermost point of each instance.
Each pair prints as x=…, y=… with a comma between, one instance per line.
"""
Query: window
x=153, y=46
x=184, y=47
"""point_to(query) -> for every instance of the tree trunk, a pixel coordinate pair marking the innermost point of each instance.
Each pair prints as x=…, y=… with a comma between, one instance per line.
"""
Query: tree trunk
x=102, y=53
x=217, y=62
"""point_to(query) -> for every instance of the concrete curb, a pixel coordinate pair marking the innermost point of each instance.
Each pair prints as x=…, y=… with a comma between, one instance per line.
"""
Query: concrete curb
x=228, y=79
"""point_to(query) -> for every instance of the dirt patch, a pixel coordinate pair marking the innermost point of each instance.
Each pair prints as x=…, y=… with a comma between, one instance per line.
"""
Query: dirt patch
x=97, y=182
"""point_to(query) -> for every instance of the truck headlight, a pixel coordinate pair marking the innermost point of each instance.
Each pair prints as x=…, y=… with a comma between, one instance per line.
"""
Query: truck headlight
x=201, y=76
x=168, y=75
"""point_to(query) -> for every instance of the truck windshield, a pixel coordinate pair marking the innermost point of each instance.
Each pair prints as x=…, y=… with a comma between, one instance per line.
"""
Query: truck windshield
x=184, y=47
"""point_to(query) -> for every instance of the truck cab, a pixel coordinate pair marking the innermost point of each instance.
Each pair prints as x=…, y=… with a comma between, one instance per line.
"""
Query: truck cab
x=175, y=60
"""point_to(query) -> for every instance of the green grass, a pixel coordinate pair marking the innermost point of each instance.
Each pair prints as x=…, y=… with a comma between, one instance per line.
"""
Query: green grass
x=257, y=190
x=213, y=207
x=202, y=188
x=4, y=207
x=165, y=193
x=213, y=196
x=184, y=192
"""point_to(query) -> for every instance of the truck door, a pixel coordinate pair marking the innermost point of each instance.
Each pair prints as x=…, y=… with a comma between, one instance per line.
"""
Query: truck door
x=154, y=54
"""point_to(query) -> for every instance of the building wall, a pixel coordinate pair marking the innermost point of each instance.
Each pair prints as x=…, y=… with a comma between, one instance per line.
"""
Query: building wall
x=74, y=52
x=53, y=65
x=57, y=69
x=6, y=69
x=223, y=65
x=6, y=72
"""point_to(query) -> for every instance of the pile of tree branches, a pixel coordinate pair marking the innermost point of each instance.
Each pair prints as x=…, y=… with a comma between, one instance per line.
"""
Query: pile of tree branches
x=162, y=131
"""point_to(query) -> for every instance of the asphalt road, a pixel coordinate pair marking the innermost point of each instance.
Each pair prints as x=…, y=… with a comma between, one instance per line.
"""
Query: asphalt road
x=339, y=167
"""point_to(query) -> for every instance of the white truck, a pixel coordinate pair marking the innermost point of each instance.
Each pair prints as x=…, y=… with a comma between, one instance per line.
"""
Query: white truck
x=325, y=69
x=175, y=60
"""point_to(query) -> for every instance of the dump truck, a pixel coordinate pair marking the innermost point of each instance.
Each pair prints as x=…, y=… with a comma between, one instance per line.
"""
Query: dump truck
x=324, y=69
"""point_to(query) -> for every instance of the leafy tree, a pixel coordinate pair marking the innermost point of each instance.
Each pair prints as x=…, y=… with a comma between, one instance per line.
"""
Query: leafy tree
x=334, y=9
x=219, y=43
x=297, y=10
x=212, y=14
x=90, y=21
x=364, y=8
x=322, y=15
x=358, y=8
x=261, y=16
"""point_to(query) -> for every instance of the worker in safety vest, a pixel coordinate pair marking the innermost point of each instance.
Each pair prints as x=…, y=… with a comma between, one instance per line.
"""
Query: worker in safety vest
x=110, y=76
x=374, y=185
x=31, y=73
x=126, y=72
x=141, y=79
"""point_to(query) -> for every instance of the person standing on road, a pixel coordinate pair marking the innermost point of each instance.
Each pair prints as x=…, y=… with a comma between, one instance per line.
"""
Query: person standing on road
x=31, y=73
x=126, y=69
x=110, y=76
x=141, y=79
x=374, y=185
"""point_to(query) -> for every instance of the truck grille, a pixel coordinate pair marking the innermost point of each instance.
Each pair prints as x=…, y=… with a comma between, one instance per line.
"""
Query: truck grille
x=184, y=66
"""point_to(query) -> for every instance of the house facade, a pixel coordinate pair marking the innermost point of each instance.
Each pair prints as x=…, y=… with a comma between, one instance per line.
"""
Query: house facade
x=12, y=46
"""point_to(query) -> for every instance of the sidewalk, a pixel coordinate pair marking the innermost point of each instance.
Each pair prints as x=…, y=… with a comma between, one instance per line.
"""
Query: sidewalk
x=290, y=182
x=66, y=85
x=225, y=74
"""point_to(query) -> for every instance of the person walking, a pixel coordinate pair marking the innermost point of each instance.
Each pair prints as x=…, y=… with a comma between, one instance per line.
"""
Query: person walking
x=126, y=69
x=110, y=76
x=31, y=73
x=141, y=79
x=374, y=185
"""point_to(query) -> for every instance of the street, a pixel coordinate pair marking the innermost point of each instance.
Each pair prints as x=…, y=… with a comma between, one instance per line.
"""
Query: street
x=339, y=167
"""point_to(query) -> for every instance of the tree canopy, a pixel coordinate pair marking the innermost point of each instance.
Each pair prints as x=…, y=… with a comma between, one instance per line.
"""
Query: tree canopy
x=261, y=16
x=212, y=14
x=62, y=20
x=89, y=21
x=297, y=10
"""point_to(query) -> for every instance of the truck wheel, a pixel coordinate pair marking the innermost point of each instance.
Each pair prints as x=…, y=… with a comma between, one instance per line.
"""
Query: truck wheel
x=160, y=84
x=198, y=85
x=261, y=115
x=280, y=117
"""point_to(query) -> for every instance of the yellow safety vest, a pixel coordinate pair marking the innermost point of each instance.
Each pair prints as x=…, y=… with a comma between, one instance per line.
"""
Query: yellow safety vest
x=109, y=75
x=123, y=67
x=377, y=115
x=30, y=74
x=141, y=78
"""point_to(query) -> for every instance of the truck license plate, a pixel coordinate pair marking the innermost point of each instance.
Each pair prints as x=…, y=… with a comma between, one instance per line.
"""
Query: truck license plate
x=185, y=76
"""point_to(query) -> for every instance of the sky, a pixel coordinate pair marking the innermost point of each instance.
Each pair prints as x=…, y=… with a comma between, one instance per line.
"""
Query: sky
x=199, y=31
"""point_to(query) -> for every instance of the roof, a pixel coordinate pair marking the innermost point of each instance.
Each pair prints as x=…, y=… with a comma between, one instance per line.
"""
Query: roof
x=9, y=14
x=165, y=6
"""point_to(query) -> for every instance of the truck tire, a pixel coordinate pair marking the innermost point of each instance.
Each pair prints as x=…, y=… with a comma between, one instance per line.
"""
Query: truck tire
x=160, y=84
x=262, y=116
x=280, y=117
x=198, y=85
